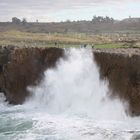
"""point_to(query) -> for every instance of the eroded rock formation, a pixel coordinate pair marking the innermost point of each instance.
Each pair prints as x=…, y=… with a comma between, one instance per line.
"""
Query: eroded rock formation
x=121, y=67
x=20, y=68
x=23, y=67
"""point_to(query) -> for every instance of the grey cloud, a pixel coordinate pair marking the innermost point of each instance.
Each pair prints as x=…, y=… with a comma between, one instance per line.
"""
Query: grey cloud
x=45, y=4
x=35, y=7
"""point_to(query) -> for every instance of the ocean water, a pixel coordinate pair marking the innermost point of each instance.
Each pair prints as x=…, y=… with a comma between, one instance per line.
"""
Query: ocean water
x=70, y=103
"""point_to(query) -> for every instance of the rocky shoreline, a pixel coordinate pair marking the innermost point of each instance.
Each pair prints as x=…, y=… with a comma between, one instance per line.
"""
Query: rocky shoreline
x=21, y=67
x=121, y=68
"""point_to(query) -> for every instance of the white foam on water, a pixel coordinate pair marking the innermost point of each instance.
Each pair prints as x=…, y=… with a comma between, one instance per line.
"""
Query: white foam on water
x=74, y=87
x=70, y=103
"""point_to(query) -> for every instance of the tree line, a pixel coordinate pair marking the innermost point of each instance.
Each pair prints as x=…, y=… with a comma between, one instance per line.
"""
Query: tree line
x=95, y=20
x=100, y=19
x=16, y=20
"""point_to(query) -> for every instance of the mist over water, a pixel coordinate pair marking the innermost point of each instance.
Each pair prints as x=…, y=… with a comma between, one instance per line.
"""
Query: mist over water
x=74, y=87
x=70, y=103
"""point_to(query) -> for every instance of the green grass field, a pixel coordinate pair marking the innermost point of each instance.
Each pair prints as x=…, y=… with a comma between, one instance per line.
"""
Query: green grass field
x=109, y=45
x=26, y=39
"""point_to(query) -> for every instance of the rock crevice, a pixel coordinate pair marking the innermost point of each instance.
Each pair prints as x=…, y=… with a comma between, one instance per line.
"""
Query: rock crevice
x=20, y=68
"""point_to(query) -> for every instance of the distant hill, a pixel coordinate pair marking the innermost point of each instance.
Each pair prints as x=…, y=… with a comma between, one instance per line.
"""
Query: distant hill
x=131, y=20
x=128, y=25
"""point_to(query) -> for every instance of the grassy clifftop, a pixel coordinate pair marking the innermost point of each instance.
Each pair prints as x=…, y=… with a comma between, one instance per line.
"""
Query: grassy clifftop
x=18, y=38
x=27, y=39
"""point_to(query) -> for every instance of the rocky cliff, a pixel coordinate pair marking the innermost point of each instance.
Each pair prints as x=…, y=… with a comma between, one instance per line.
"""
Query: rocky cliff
x=121, y=67
x=20, y=68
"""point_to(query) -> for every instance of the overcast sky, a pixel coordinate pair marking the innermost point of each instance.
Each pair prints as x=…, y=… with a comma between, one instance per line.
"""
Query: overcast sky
x=61, y=10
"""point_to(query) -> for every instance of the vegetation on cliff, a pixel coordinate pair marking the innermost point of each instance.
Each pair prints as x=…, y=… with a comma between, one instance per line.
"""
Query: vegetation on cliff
x=26, y=39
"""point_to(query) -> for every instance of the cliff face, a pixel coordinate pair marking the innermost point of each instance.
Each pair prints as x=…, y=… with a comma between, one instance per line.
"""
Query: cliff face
x=122, y=70
x=20, y=68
